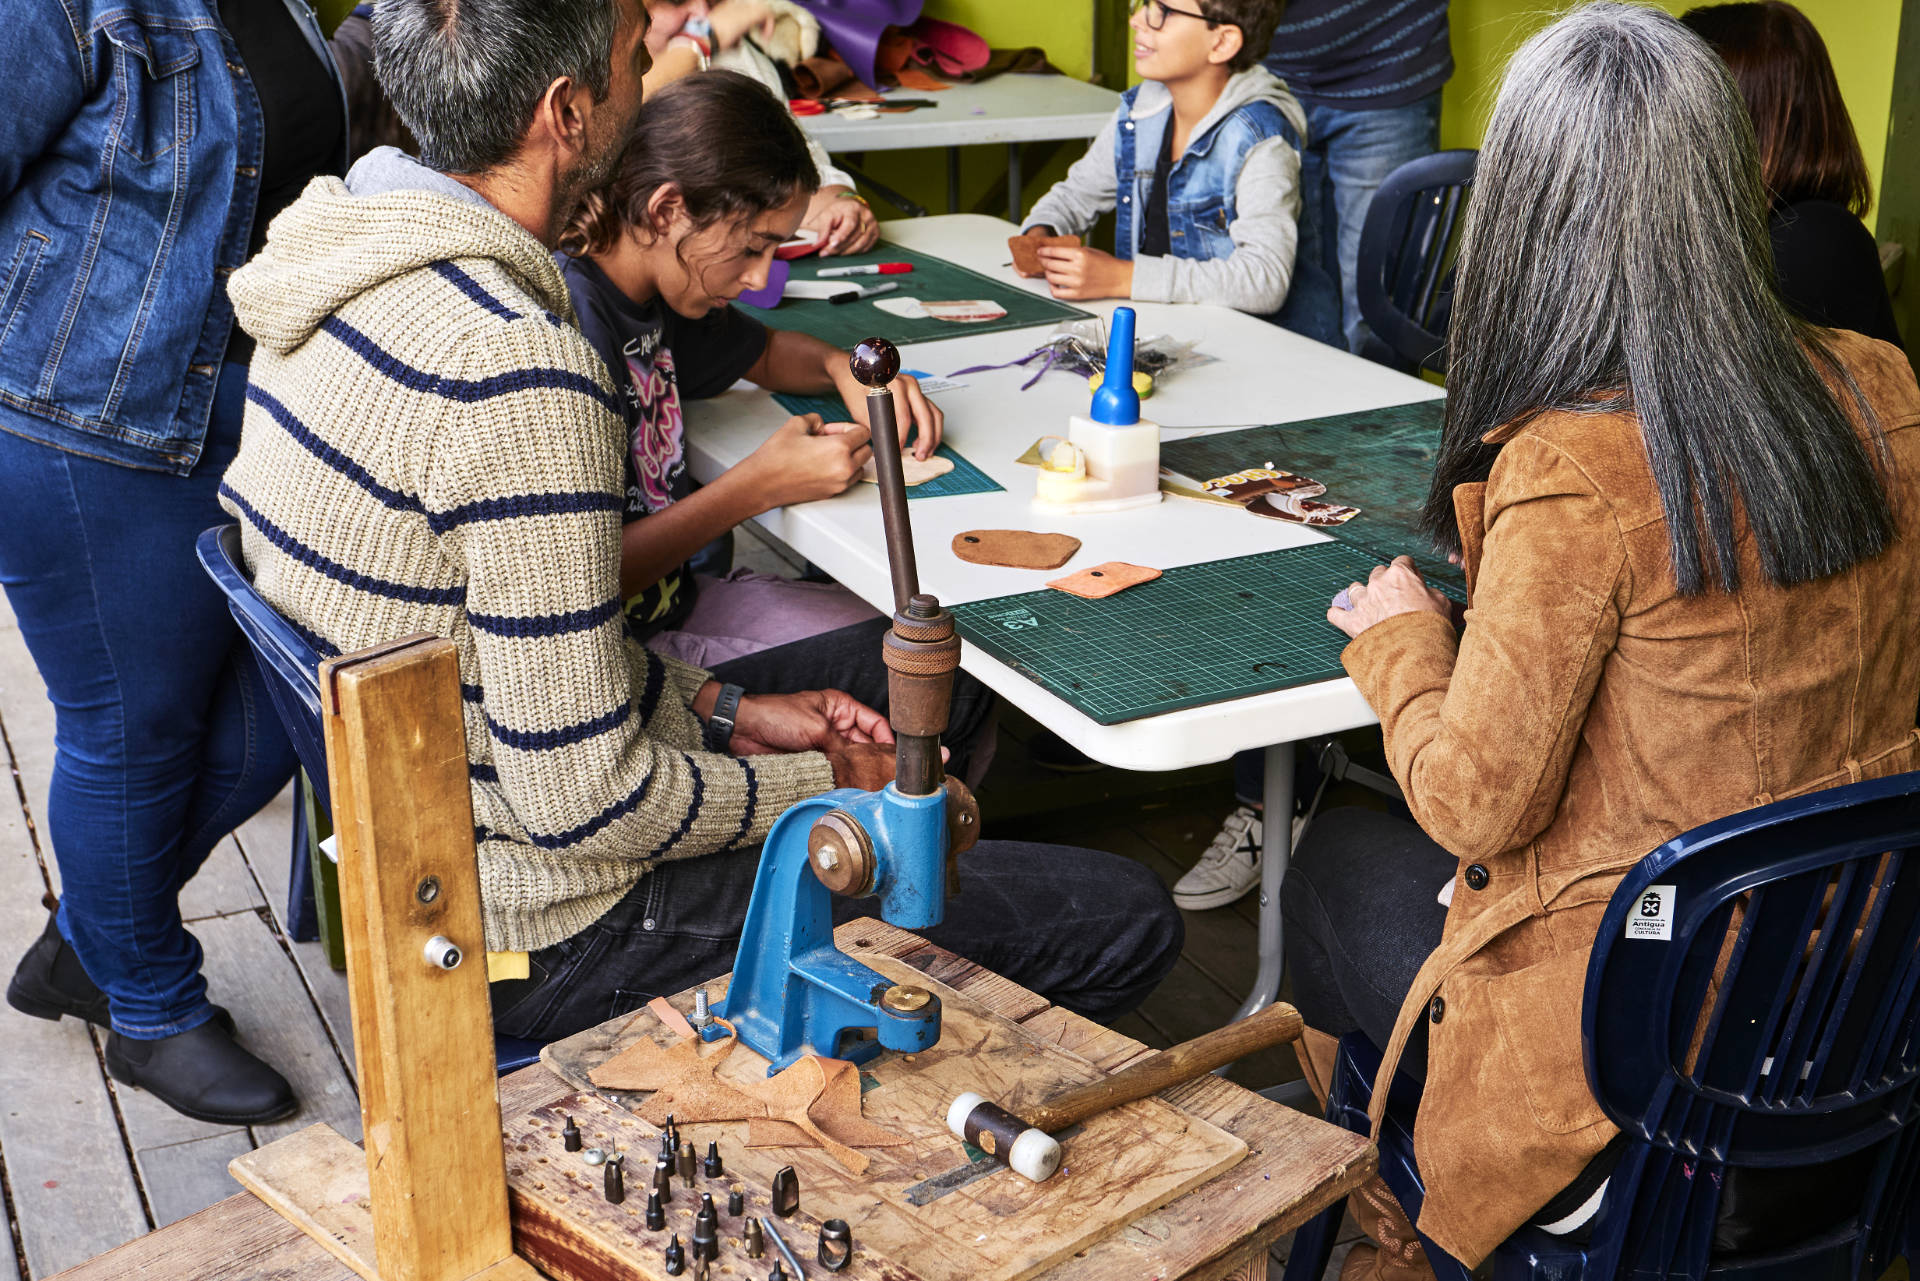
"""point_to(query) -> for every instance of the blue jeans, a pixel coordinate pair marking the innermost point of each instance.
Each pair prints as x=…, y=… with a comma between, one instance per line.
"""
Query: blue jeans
x=1349, y=154
x=164, y=738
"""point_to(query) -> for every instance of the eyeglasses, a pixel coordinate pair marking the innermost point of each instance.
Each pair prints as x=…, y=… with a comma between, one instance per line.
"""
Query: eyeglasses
x=1157, y=13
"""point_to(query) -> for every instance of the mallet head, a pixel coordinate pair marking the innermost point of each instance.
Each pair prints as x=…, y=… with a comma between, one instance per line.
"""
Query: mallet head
x=874, y=362
x=1030, y=1153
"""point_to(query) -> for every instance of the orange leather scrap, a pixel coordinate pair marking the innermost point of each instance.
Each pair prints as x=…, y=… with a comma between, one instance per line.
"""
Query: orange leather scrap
x=813, y=1103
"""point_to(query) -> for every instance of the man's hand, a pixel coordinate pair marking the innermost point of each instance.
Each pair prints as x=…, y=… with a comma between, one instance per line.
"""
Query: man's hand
x=1389, y=590
x=1079, y=272
x=911, y=408
x=844, y=222
x=819, y=720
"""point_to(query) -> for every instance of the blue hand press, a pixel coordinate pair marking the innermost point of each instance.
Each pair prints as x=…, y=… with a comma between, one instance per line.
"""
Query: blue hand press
x=793, y=992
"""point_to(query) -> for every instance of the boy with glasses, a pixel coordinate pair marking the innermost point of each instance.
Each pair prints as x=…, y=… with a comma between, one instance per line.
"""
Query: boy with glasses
x=1201, y=164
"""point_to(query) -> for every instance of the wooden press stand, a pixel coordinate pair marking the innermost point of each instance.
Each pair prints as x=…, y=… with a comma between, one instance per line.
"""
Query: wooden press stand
x=427, y=1200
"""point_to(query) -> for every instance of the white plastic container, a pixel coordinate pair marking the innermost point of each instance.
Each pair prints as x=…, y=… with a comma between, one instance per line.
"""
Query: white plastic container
x=1113, y=460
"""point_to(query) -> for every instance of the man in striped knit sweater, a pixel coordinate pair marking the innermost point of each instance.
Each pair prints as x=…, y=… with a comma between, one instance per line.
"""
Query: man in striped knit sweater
x=430, y=445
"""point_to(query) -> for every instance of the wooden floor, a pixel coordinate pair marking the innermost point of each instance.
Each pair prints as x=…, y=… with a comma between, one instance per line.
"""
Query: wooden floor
x=86, y=1164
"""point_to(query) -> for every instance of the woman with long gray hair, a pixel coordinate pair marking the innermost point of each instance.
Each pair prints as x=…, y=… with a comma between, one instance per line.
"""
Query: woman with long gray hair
x=1688, y=526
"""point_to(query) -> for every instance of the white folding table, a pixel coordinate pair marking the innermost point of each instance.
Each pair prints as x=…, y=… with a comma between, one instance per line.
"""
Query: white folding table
x=1011, y=108
x=1263, y=374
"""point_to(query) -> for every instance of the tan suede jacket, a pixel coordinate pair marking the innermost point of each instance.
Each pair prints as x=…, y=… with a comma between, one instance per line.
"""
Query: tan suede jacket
x=1588, y=713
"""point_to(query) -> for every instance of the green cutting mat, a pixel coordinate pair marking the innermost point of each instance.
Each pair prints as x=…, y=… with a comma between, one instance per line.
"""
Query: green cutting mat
x=933, y=279
x=1379, y=460
x=965, y=478
x=1195, y=635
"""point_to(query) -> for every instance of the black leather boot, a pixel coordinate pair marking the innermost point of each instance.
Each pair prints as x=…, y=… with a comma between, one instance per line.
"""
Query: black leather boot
x=203, y=1074
x=50, y=982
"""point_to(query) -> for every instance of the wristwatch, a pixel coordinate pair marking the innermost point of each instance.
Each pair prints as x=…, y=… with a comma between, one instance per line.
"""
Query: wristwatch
x=720, y=724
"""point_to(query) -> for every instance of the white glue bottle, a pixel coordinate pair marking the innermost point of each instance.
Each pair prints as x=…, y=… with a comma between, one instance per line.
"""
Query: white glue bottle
x=1111, y=458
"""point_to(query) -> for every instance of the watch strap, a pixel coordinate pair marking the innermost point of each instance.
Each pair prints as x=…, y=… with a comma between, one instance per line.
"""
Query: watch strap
x=726, y=709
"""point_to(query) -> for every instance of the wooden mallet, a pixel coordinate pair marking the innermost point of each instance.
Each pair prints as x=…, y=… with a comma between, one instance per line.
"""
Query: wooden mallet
x=1028, y=1146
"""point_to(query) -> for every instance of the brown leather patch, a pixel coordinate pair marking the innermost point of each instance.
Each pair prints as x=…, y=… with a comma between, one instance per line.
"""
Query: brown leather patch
x=1015, y=548
x=1026, y=251
x=1105, y=580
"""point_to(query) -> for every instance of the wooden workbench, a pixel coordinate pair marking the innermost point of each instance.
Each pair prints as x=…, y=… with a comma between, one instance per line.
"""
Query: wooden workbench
x=1295, y=1167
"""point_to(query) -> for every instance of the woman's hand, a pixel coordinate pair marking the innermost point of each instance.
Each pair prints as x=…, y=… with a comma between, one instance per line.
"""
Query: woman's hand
x=843, y=221
x=1075, y=271
x=734, y=20
x=1389, y=590
x=911, y=408
x=819, y=720
x=805, y=460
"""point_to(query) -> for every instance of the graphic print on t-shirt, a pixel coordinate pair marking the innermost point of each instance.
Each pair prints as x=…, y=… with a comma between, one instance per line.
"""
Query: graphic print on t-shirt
x=657, y=445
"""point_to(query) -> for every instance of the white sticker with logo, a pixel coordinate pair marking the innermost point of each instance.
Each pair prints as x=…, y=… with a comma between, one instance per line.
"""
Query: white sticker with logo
x=1652, y=916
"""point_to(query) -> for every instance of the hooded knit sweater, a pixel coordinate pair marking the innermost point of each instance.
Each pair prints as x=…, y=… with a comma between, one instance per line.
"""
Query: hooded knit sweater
x=430, y=445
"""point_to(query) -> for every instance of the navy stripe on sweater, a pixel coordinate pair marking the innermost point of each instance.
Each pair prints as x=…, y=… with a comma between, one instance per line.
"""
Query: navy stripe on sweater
x=478, y=773
x=315, y=642
x=304, y=437
x=561, y=504
x=753, y=799
x=472, y=289
x=334, y=569
x=656, y=682
x=472, y=693
x=546, y=740
x=464, y=390
x=530, y=626
x=599, y=822
x=478, y=293
x=693, y=810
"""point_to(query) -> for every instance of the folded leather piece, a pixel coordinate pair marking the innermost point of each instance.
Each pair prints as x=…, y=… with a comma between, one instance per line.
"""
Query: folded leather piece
x=828, y=77
x=1105, y=580
x=947, y=47
x=1015, y=548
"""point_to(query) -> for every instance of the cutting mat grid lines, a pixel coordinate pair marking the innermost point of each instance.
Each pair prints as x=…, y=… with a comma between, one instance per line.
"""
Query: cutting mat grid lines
x=1379, y=460
x=965, y=478
x=1199, y=634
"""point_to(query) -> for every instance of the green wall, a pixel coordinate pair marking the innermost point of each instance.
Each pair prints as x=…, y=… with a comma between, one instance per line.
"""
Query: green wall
x=1861, y=35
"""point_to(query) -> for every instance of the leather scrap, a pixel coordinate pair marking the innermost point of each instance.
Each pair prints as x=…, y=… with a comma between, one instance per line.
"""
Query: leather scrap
x=682, y=1079
x=664, y=1010
x=1106, y=580
x=813, y=1103
x=1015, y=548
x=1026, y=251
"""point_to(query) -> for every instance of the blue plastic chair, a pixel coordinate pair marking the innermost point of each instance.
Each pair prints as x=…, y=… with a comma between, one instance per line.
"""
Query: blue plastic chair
x=291, y=661
x=1404, y=279
x=1808, y=1050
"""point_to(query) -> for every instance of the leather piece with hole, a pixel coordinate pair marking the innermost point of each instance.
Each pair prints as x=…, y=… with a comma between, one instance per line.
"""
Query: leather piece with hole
x=1015, y=548
x=1106, y=580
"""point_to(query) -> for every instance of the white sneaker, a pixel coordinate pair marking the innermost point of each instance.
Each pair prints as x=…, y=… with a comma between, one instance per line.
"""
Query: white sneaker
x=1229, y=868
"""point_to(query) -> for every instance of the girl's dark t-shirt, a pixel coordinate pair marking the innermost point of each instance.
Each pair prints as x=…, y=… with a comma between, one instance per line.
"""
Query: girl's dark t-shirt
x=655, y=358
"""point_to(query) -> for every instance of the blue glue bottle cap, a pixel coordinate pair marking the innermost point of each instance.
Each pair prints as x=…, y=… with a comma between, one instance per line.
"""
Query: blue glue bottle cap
x=1117, y=404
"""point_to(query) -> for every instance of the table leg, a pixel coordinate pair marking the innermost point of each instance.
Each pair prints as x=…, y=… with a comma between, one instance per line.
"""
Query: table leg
x=1013, y=183
x=953, y=180
x=1276, y=847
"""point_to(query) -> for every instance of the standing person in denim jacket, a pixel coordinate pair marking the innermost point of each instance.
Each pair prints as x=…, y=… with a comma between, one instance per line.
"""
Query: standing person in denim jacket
x=1200, y=164
x=1370, y=74
x=144, y=145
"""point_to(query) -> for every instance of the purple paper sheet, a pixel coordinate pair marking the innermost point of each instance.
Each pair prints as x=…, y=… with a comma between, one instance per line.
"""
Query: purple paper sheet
x=854, y=28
